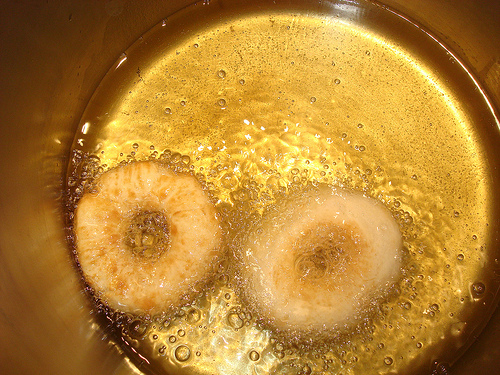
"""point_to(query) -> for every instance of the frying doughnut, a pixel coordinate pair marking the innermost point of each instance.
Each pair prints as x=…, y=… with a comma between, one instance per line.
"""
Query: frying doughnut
x=145, y=236
x=317, y=261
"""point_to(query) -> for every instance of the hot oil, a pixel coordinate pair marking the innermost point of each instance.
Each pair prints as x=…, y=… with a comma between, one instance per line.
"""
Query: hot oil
x=265, y=102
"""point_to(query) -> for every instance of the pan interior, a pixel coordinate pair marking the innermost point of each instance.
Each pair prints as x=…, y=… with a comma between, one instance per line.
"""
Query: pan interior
x=259, y=99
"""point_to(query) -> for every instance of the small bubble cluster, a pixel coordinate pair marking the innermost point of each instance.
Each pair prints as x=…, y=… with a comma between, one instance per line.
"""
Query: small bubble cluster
x=478, y=289
x=235, y=321
x=138, y=329
x=237, y=318
x=193, y=315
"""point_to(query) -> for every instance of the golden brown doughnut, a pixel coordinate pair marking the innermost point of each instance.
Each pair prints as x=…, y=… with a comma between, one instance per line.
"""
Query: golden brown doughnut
x=145, y=236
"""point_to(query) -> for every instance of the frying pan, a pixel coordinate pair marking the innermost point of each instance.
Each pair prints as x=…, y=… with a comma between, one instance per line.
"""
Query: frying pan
x=53, y=54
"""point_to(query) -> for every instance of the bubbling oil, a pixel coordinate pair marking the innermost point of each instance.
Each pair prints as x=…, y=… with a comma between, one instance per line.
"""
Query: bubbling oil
x=261, y=105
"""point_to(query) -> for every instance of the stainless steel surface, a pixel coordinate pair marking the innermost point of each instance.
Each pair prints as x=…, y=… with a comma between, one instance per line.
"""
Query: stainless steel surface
x=52, y=57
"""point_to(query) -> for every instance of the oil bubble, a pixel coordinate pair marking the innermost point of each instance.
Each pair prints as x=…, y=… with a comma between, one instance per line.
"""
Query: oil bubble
x=182, y=353
x=242, y=81
x=193, y=315
x=172, y=339
x=175, y=158
x=181, y=333
x=441, y=369
x=478, y=289
x=460, y=257
x=388, y=361
x=221, y=74
x=222, y=102
x=137, y=329
x=254, y=356
x=168, y=111
x=306, y=370
x=337, y=81
x=235, y=321
x=229, y=181
x=313, y=99
x=223, y=279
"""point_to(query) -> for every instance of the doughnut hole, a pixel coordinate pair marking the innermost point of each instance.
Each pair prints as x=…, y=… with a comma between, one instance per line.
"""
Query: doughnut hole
x=148, y=234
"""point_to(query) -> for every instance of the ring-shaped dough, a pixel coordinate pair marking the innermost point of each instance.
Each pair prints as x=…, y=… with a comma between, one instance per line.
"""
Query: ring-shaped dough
x=145, y=237
x=315, y=262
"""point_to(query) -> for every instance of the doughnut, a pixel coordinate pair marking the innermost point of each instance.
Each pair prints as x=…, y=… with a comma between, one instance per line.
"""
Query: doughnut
x=145, y=236
x=315, y=262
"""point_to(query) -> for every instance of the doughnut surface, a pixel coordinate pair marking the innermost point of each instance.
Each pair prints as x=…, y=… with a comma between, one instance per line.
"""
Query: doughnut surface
x=145, y=237
x=318, y=260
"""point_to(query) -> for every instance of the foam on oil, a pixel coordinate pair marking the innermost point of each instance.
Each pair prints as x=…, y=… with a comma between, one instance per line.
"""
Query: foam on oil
x=261, y=105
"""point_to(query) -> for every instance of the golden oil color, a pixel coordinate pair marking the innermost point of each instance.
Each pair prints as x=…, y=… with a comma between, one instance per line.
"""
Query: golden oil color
x=261, y=99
